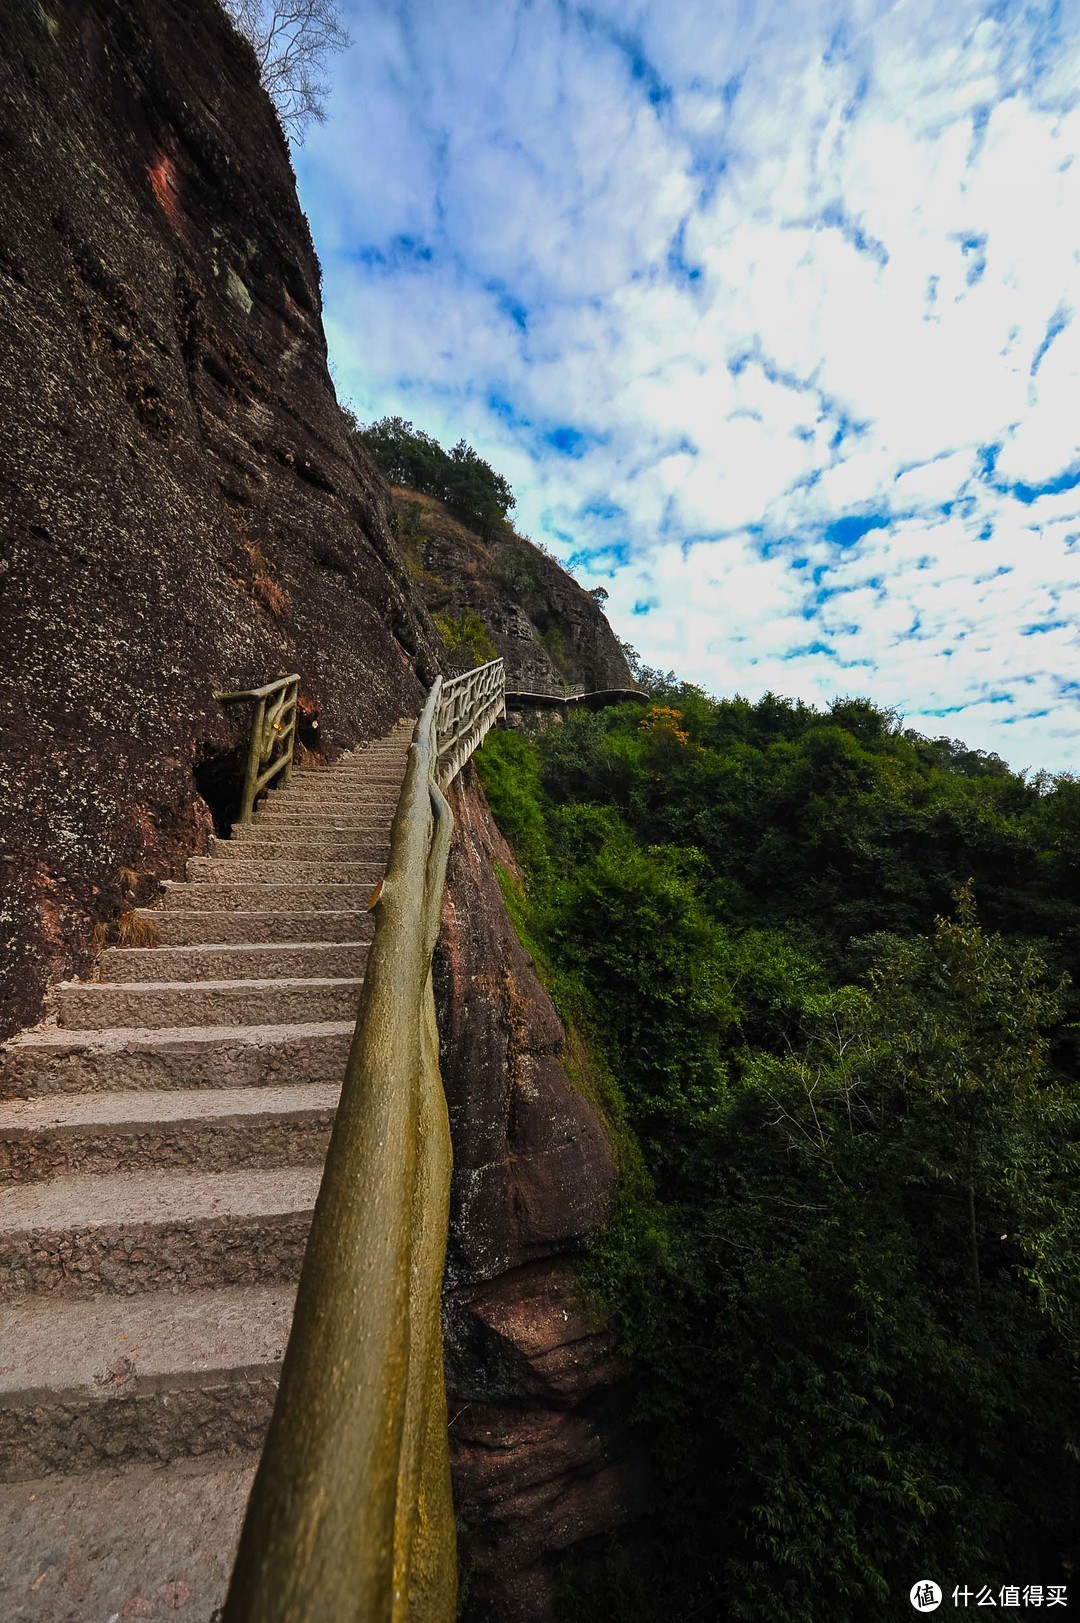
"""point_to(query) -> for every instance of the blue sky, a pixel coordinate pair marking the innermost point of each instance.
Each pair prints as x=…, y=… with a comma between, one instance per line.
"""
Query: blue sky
x=769, y=312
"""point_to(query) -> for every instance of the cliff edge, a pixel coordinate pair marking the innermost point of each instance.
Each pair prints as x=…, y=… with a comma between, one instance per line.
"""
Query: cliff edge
x=514, y=598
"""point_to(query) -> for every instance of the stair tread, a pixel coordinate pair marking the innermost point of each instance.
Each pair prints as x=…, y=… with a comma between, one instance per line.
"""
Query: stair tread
x=292, y=859
x=253, y=889
x=258, y=915
x=107, y=1343
x=156, y=1107
x=86, y=1201
x=171, y=952
x=301, y=828
x=111, y=1038
x=188, y=1517
x=283, y=983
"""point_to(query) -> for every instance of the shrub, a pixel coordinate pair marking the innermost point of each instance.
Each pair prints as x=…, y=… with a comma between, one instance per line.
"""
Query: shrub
x=467, y=637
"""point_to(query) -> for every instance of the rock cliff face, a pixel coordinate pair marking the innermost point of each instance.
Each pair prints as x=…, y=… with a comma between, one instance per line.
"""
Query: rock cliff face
x=182, y=507
x=539, y=1445
x=549, y=630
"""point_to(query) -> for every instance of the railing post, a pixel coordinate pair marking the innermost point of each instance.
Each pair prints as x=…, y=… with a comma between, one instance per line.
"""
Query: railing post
x=273, y=724
x=292, y=699
x=255, y=752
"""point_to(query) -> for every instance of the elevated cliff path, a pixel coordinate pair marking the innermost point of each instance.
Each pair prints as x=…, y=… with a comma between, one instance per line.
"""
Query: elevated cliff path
x=161, y=1148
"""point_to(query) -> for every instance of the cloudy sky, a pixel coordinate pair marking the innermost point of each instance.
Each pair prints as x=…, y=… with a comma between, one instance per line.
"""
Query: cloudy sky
x=768, y=311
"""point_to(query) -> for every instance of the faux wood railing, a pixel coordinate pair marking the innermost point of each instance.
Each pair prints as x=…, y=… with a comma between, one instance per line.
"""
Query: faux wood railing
x=350, y=1518
x=273, y=736
x=469, y=705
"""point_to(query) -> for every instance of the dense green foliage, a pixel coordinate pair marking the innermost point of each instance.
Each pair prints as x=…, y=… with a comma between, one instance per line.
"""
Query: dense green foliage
x=459, y=477
x=829, y=964
x=467, y=637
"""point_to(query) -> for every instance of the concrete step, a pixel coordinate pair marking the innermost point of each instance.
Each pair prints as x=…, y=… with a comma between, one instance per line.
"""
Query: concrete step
x=52, y=1061
x=144, y=1231
x=363, y=819
x=98, y=1379
x=395, y=754
x=281, y=871
x=345, y=800
x=286, y=845
x=371, y=817
x=386, y=778
x=259, y=960
x=394, y=759
x=175, y=928
x=320, y=820
x=92, y=1005
x=321, y=824
x=155, y=1542
x=208, y=1128
x=279, y=898
x=347, y=786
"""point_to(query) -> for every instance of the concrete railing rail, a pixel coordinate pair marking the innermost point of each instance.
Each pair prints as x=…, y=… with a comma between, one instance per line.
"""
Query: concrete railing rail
x=540, y=699
x=469, y=706
x=272, y=738
x=350, y=1515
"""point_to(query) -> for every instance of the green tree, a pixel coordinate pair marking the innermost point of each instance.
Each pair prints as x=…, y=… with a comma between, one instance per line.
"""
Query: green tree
x=845, y=1262
x=460, y=478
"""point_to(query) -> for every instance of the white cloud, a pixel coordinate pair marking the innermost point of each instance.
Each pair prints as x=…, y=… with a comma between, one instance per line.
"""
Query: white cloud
x=782, y=266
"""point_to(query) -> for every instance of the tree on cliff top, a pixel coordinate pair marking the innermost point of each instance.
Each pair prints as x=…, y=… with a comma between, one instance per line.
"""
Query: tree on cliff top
x=292, y=40
x=468, y=485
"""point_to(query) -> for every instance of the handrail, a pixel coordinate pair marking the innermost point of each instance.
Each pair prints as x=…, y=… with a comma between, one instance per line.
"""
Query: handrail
x=469, y=706
x=272, y=740
x=554, y=690
x=350, y=1516
x=592, y=699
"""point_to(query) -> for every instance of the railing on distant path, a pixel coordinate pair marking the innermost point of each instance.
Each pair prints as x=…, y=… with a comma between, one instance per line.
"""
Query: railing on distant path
x=554, y=690
x=541, y=698
x=273, y=735
x=350, y=1516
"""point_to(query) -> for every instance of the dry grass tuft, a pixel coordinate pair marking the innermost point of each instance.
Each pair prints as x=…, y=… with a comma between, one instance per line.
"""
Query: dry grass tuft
x=132, y=930
x=265, y=587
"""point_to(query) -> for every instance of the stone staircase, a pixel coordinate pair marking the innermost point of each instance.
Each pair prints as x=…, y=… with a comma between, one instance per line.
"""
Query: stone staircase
x=161, y=1148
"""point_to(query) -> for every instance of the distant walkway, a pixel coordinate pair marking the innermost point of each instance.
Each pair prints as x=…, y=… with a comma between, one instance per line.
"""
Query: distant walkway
x=526, y=700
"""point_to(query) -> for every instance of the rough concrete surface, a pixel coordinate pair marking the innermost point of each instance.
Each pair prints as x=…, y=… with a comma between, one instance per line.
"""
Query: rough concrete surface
x=212, y=1129
x=50, y=1059
x=152, y=1230
x=69, y=1556
x=102, y=1340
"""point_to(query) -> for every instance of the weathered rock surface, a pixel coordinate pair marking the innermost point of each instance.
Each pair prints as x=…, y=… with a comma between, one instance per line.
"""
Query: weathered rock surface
x=181, y=505
x=547, y=628
x=541, y=1452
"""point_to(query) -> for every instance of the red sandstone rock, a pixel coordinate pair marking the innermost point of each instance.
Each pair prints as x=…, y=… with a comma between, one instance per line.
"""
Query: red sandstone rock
x=541, y=1452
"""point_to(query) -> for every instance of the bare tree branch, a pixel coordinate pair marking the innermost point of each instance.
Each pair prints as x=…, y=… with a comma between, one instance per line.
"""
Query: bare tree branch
x=292, y=40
